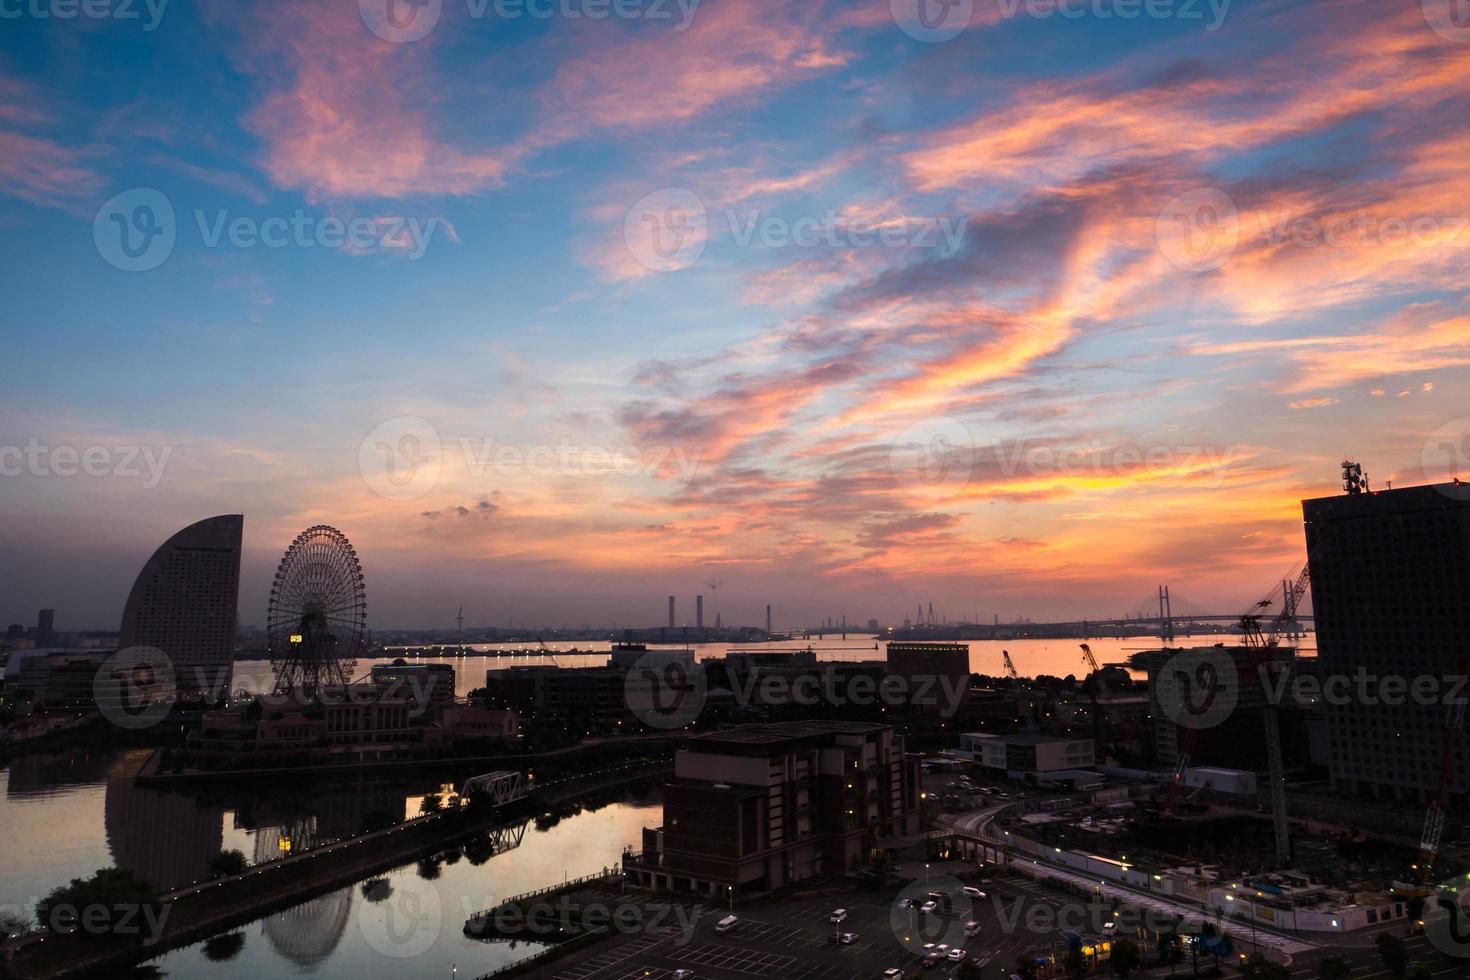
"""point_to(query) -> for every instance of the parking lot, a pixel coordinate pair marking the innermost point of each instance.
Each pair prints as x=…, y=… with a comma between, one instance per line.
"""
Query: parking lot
x=793, y=940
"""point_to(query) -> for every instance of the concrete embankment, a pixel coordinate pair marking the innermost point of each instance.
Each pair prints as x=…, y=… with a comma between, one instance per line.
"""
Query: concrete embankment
x=153, y=774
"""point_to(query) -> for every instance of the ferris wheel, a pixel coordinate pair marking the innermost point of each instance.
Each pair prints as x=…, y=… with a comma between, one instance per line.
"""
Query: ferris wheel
x=317, y=617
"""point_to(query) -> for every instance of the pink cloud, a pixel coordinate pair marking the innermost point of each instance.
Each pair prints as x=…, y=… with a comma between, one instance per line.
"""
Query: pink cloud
x=344, y=115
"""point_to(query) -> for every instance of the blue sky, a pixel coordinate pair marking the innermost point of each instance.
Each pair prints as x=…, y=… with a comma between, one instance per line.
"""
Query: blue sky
x=1085, y=304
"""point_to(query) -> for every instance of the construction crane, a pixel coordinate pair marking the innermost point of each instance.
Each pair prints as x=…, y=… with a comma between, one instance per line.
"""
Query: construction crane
x=550, y=653
x=1262, y=643
x=1028, y=710
x=1099, y=688
x=1451, y=733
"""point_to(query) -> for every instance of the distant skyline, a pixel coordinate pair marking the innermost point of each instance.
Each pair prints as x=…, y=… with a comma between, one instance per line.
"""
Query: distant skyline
x=840, y=311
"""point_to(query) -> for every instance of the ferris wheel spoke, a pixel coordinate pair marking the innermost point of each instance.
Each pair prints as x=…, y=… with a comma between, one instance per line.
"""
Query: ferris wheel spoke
x=317, y=615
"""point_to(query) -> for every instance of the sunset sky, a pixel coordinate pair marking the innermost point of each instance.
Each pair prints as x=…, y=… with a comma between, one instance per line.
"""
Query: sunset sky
x=835, y=306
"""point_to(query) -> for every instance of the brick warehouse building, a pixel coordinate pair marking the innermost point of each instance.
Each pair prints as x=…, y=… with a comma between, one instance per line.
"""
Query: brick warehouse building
x=755, y=807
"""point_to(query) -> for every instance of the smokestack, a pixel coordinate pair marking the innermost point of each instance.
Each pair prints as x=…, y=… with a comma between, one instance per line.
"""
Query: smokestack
x=671, y=612
x=699, y=612
x=768, y=619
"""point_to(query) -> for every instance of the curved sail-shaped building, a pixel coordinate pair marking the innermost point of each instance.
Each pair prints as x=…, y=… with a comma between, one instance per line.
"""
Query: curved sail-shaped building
x=185, y=602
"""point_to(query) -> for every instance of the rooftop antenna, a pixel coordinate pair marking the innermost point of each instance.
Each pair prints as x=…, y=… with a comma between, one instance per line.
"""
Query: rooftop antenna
x=1354, y=480
x=459, y=620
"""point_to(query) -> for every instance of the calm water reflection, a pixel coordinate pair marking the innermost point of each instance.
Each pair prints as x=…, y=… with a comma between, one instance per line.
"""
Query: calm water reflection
x=1056, y=657
x=409, y=922
x=69, y=813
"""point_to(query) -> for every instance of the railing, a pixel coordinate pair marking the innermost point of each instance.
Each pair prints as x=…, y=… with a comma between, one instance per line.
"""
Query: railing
x=606, y=874
x=550, y=953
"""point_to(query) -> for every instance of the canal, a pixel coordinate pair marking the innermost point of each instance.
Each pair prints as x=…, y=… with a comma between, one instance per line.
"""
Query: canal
x=71, y=812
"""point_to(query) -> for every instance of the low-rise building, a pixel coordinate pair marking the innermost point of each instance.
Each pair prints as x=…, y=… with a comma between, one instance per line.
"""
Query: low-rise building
x=756, y=807
x=587, y=699
x=463, y=722
x=1026, y=754
x=430, y=685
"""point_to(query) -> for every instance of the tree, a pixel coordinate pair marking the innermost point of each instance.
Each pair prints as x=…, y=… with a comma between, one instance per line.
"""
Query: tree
x=1171, y=948
x=1074, y=962
x=479, y=849
x=13, y=923
x=1391, y=949
x=433, y=803
x=1211, y=937
x=1026, y=967
x=1333, y=968
x=226, y=863
x=1125, y=957
x=110, y=903
x=217, y=949
x=376, y=890
x=1420, y=972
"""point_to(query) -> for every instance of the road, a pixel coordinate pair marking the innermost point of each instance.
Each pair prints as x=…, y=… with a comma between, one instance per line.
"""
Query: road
x=1306, y=951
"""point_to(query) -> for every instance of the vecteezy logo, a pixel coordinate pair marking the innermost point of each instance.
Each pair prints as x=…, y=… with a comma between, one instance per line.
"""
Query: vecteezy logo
x=1447, y=451
x=135, y=230
x=933, y=458
x=664, y=690
x=400, y=21
x=1198, y=688
x=1450, y=19
x=920, y=932
x=932, y=21
x=407, y=922
x=1198, y=230
x=134, y=687
x=1447, y=922
x=666, y=231
x=401, y=458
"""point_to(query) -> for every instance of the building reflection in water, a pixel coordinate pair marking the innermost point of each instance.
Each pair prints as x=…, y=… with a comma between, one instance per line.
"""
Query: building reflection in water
x=48, y=774
x=273, y=843
x=167, y=839
x=307, y=934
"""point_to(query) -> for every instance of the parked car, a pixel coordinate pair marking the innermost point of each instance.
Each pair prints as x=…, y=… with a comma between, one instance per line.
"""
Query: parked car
x=928, y=907
x=956, y=955
x=972, y=928
x=892, y=973
x=683, y=975
x=974, y=892
x=933, y=959
x=905, y=903
x=848, y=938
x=837, y=915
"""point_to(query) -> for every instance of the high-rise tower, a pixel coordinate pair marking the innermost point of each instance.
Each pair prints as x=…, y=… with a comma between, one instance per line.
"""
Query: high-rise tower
x=1391, y=599
x=185, y=603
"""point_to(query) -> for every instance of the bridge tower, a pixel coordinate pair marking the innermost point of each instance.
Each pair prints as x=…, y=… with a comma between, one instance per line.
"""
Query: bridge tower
x=1166, y=615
